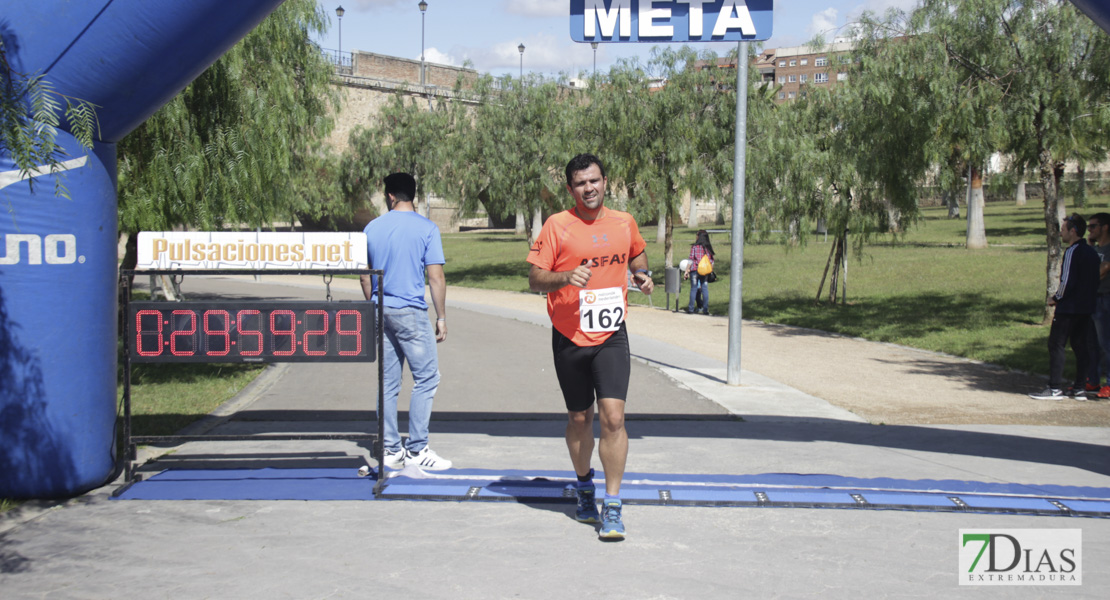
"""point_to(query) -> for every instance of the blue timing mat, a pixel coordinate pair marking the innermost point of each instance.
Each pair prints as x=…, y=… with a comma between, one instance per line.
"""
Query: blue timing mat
x=784, y=490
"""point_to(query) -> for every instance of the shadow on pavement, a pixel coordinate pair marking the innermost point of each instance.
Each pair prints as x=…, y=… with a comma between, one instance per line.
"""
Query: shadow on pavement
x=978, y=444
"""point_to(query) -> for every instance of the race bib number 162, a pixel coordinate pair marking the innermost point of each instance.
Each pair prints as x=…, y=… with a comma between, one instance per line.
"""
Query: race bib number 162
x=601, y=310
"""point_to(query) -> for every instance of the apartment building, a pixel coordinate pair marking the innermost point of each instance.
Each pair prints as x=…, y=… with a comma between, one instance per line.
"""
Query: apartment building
x=797, y=69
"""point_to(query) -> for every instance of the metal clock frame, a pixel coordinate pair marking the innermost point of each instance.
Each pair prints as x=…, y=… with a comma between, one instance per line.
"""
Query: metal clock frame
x=131, y=441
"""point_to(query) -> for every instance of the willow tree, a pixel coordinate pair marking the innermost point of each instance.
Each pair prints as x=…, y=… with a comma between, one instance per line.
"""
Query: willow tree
x=665, y=126
x=509, y=157
x=230, y=149
x=30, y=114
x=853, y=156
x=1047, y=67
x=963, y=112
x=409, y=134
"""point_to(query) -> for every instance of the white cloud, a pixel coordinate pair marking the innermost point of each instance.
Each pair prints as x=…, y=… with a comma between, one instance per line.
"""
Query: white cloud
x=879, y=7
x=537, y=8
x=368, y=5
x=822, y=22
x=542, y=53
x=433, y=55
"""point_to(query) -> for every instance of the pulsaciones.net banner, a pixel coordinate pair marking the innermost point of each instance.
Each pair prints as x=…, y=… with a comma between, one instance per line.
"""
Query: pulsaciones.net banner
x=251, y=250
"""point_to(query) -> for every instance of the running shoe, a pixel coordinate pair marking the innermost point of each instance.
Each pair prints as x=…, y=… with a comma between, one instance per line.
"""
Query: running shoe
x=1091, y=390
x=428, y=460
x=395, y=460
x=612, y=528
x=587, y=505
x=1049, y=394
x=1104, y=392
x=1074, y=391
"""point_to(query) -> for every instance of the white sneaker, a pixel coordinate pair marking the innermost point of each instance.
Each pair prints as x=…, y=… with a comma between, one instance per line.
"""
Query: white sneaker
x=428, y=460
x=395, y=460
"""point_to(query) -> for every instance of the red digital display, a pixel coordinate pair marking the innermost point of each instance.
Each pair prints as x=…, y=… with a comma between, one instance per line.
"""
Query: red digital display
x=251, y=331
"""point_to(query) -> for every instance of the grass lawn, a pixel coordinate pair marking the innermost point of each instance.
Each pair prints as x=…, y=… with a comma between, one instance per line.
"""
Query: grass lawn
x=167, y=397
x=923, y=289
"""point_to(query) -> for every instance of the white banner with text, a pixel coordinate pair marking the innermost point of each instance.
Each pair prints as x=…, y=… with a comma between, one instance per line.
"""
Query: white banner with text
x=251, y=250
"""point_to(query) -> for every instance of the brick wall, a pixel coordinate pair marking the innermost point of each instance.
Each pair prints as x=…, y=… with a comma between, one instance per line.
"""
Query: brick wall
x=373, y=81
x=379, y=66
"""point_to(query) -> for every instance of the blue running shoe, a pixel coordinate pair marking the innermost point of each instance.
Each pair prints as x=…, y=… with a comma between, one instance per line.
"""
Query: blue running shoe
x=611, y=526
x=587, y=505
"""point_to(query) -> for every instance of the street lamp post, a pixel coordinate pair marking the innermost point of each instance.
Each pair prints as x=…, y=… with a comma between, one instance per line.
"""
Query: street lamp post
x=594, y=46
x=339, y=13
x=423, y=8
x=520, y=213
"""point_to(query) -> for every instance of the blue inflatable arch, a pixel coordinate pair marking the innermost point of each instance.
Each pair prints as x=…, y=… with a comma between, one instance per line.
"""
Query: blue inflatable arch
x=58, y=266
x=1097, y=10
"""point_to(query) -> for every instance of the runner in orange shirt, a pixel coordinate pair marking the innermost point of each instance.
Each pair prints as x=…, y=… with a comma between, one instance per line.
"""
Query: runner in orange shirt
x=581, y=260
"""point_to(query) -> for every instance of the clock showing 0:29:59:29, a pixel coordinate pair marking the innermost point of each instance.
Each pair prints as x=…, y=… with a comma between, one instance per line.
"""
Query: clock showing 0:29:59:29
x=232, y=331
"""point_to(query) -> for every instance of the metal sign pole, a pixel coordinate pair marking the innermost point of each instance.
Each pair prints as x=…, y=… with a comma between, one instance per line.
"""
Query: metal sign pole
x=736, y=270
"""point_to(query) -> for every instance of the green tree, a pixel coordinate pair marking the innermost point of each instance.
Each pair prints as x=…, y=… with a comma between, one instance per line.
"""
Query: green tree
x=1045, y=67
x=409, y=134
x=666, y=129
x=241, y=144
x=500, y=146
x=510, y=156
x=853, y=156
x=29, y=121
x=963, y=112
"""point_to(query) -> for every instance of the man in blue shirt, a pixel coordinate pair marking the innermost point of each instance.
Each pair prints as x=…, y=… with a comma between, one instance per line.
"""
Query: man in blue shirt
x=405, y=246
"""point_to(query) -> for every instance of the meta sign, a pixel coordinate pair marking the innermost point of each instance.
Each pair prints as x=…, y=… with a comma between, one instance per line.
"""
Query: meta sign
x=660, y=21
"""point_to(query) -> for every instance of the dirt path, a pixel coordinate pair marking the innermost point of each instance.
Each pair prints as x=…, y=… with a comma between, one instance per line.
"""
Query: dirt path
x=882, y=383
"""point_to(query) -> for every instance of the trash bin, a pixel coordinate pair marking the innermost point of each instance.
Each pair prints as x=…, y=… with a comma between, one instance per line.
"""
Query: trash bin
x=672, y=281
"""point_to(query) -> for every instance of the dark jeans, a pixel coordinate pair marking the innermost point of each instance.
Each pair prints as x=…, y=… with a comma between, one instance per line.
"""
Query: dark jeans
x=1074, y=329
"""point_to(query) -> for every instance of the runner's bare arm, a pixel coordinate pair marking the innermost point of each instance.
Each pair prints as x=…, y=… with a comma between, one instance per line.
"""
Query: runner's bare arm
x=542, y=280
x=643, y=280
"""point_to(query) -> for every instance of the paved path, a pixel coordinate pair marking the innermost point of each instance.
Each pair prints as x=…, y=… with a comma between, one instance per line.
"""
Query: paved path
x=499, y=408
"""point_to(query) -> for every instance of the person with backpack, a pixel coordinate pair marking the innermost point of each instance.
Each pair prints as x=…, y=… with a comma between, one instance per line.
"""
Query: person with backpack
x=698, y=272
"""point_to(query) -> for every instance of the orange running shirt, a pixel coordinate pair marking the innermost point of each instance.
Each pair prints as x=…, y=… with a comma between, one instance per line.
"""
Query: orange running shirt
x=605, y=245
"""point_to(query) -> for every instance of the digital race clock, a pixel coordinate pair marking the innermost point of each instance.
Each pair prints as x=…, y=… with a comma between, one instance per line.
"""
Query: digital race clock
x=231, y=331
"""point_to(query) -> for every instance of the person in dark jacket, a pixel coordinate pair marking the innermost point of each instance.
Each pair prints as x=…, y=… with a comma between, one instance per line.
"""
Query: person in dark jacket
x=1075, y=303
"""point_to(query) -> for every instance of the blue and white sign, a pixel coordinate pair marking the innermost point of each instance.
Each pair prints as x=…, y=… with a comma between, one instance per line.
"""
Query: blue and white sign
x=661, y=21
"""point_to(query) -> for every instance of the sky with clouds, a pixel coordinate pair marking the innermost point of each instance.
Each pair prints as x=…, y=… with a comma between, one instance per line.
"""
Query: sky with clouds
x=487, y=32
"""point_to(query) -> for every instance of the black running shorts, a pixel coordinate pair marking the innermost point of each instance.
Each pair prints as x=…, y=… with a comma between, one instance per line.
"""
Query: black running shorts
x=590, y=372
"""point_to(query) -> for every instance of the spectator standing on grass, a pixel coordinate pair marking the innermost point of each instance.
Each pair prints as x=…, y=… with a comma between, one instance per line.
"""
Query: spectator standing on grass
x=1075, y=303
x=1098, y=234
x=699, y=284
x=405, y=246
